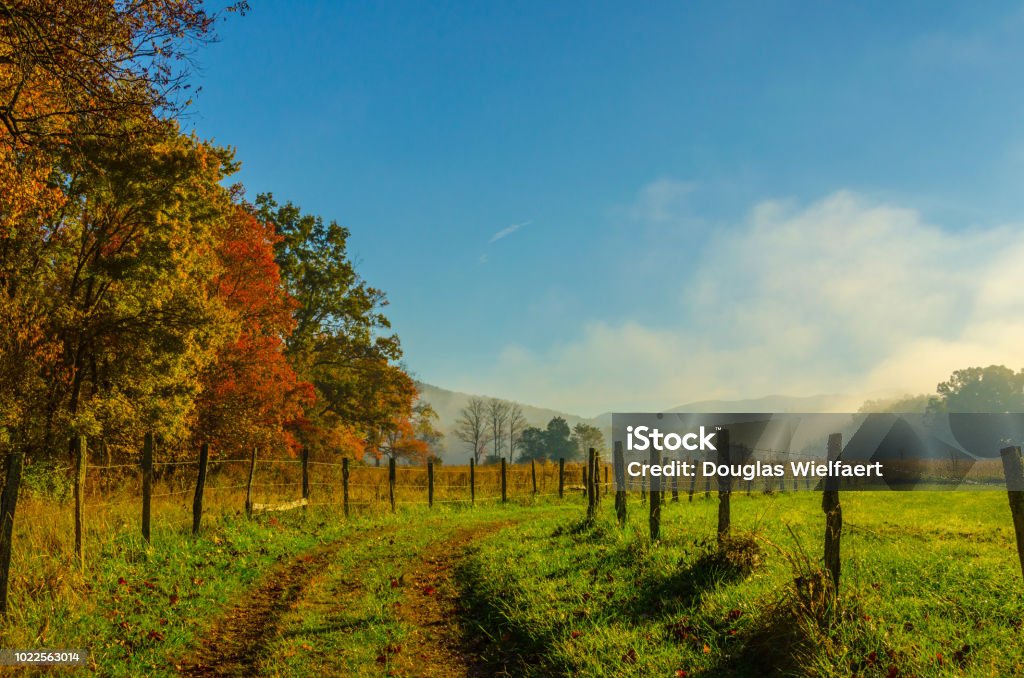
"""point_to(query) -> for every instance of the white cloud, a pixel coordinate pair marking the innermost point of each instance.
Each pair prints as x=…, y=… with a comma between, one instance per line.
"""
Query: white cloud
x=843, y=295
x=507, y=231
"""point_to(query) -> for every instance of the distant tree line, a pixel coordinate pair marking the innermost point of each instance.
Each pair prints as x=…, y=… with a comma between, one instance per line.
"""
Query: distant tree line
x=495, y=429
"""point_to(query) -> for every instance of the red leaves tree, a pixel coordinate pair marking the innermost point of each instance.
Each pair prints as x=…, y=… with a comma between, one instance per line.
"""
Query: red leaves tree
x=251, y=394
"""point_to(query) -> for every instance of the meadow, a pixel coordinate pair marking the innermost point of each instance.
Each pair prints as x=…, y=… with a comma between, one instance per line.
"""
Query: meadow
x=930, y=584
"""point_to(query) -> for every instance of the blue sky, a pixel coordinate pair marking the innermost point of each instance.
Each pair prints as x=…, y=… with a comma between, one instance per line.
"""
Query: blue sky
x=675, y=169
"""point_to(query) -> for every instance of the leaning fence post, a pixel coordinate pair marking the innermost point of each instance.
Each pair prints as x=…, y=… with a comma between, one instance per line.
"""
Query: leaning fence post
x=248, y=485
x=197, y=502
x=833, y=514
x=1013, y=470
x=147, y=483
x=619, y=461
x=344, y=484
x=305, y=478
x=533, y=475
x=504, y=481
x=8, y=502
x=724, y=486
x=472, y=481
x=561, y=476
x=81, y=456
x=391, y=482
x=655, y=511
x=430, y=484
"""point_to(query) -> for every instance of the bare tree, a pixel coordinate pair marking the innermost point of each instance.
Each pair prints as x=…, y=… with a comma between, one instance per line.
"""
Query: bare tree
x=497, y=414
x=472, y=425
x=516, y=424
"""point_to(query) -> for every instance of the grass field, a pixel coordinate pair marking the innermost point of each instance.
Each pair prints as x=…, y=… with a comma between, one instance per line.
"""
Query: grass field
x=930, y=586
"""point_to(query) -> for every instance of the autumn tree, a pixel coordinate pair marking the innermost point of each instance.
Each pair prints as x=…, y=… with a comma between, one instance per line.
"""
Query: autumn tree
x=251, y=395
x=341, y=342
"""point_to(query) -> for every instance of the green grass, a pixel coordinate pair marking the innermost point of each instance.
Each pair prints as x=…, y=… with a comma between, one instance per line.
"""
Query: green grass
x=930, y=586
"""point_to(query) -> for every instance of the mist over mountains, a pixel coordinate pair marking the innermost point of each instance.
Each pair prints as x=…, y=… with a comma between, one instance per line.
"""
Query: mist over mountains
x=448, y=404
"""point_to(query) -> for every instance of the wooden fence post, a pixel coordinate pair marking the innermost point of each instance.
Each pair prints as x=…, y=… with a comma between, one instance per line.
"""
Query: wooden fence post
x=344, y=484
x=675, y=487
x=533, y=474
x=693, y=481
x=605, y=493
x=619, y=460
x=430, y=484
x=472, y=481
x=654, y=519
x=561, y=477
x=591, y=473
x=585, y=478
x=8, y=503
x=305, y=478
x=147, y=483
x=391, y=482
x=504, y=481
x=724, y=486
x=197, y=502
x=643, y=489
x=81, y=456
x=1013, y=470
x=248, y=485
x=833, y=515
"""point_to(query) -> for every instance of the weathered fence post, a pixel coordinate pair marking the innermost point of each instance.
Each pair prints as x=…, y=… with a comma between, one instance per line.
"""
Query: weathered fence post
x=591, y=473
x=305, y=478
x=504, y=481
x=643, y=489
x=81, y=456
x=561, y=477
x=724, y=486
x=533, y=474
x=693, y=482
x=655, y=512
x=833, y=514
x=585, y=478
x=619, y=461
x=430, y=484
x=472, y=481
x=1013, y=470
x=675, y=487
x=8, y=503
x=605, y=493
x=197, y=502
x=248, y=485
x=391, y=482
x=147, y=483
x=344, y=484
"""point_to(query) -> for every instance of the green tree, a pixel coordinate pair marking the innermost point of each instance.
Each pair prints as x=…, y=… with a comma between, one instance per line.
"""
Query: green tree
x=533, y=444
x=559, y=440
x=586, y=436
x=341, y=342
x=995, y=388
